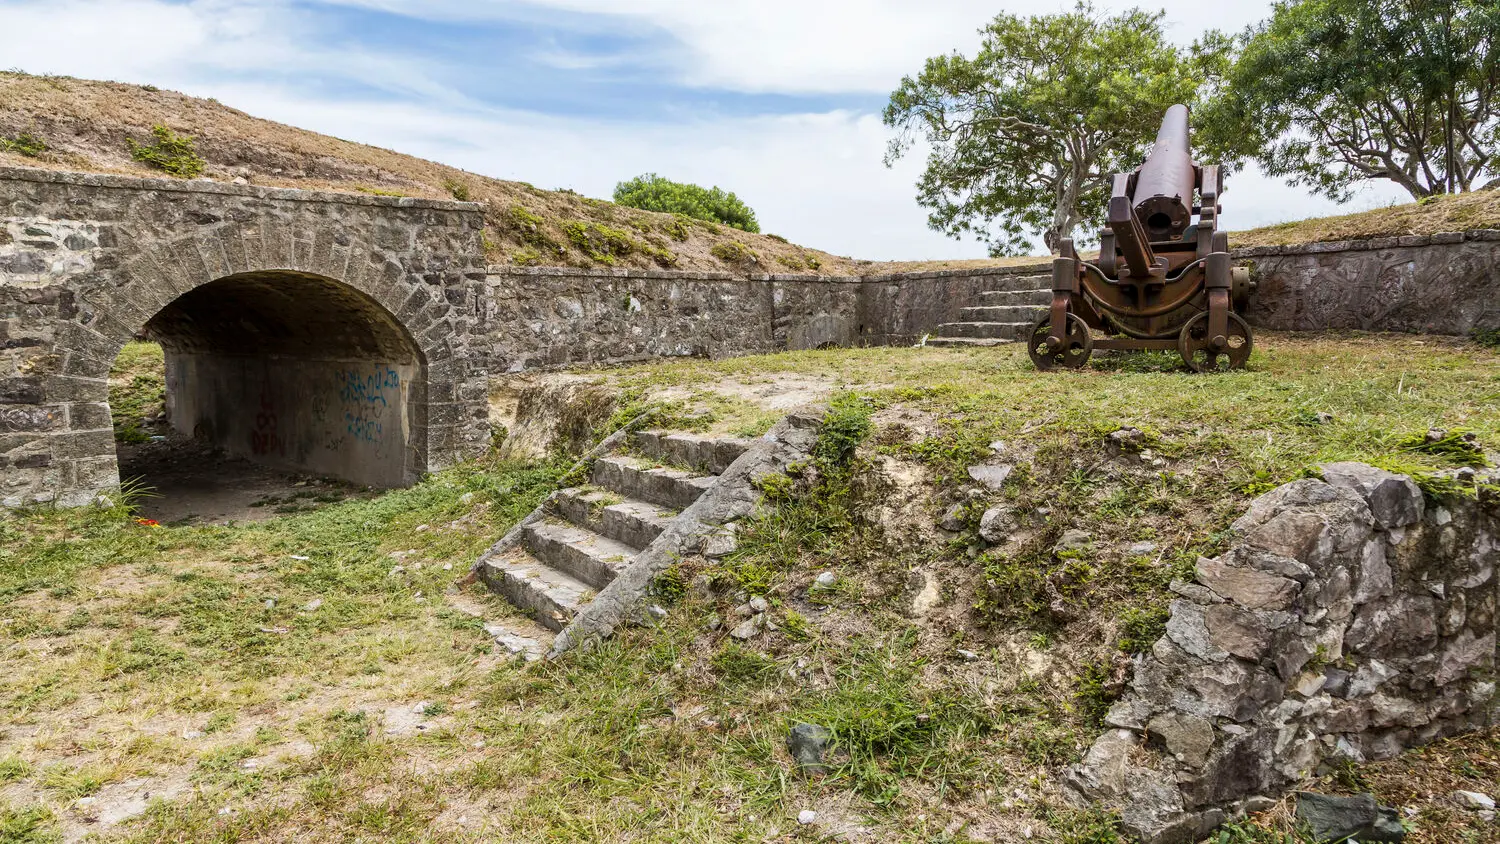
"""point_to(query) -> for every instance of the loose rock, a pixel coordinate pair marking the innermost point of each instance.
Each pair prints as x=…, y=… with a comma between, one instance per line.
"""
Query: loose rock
x=807, y=744
x=997, y=524
x=1333, y=819
x=1475, y=800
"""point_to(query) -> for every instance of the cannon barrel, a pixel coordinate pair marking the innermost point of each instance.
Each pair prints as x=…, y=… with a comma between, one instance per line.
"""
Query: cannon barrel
x=1164, y=185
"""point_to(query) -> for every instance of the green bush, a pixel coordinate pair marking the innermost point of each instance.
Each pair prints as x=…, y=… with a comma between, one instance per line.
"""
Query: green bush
x=654, y=193
x=601, y=243
x=734, y=252
x=24, y=144
x=458, y=190
x=171, y=153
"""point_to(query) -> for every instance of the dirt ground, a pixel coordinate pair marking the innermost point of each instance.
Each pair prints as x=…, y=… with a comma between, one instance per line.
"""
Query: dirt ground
x=182, y=481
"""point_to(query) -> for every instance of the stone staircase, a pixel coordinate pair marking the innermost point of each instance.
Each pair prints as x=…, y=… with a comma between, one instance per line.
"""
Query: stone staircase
x=1005, y=313
x=581, y=539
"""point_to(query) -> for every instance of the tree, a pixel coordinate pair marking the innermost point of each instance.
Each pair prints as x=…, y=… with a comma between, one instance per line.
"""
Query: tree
x=653, y=193
x=1025, y=136
x=1335, y=92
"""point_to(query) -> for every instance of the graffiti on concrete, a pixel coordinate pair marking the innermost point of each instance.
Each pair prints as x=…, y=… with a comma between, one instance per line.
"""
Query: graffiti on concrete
x=366, y=397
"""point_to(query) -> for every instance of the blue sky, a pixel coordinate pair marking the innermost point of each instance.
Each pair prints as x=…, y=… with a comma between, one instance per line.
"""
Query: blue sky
x=777, y=100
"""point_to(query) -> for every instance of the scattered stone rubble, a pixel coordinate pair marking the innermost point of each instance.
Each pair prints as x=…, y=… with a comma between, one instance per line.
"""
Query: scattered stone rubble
x=1351, y=621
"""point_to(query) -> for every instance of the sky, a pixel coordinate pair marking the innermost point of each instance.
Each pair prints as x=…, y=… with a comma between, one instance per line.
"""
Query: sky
x=776, y=100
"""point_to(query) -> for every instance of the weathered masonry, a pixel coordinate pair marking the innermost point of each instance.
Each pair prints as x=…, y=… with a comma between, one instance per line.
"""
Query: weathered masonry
x=317, y=331
x=355, y=336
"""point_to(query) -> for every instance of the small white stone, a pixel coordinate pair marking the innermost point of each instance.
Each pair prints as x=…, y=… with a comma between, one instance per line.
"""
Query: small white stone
x=300, y=558
x=806, y=816
x=760, y=605
x=250, y=764
x=270, y=603
x=969, y=656
x=85, y=801
x=827, y=579
x=447, y=567
x=420, y=708
x=314, y=605
x=225, y=811
x=1475, y=800
x=397, y=570
x=192, y=734
x=423, y=528
x=479, y=745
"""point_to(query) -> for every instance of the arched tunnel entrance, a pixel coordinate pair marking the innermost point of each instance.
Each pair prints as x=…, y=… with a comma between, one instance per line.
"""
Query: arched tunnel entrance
x=291, y=372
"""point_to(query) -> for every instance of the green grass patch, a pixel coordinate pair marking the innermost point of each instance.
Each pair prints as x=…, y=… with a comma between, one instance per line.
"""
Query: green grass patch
x=169, y=152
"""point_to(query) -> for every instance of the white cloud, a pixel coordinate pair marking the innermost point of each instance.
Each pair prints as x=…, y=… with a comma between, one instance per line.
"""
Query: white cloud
x=810, y=46
x=814, y=178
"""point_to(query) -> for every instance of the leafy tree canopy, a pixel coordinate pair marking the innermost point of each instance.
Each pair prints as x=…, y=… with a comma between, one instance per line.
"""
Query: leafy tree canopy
x=1328, y=93
x=654, y=193
x=1025, y=135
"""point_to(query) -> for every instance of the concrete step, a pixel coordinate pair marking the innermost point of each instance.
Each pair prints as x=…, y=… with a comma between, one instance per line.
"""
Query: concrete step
x=577, y=552
x=553, y=597
x=966, y=342
x=985, y=330
x=707, y=454
x=634, y=523
x=643, y=481
x=1039, y=298
x=1003, y=313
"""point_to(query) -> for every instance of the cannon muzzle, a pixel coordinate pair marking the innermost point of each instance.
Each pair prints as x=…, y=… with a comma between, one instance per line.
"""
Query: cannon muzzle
x=1164, y=186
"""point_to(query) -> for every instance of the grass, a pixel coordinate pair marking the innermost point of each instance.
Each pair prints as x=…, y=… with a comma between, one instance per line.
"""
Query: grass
x=137, y=389
x=186, y=656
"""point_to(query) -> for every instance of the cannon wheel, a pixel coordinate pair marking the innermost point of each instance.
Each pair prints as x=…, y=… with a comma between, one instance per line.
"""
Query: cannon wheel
x=1201, y=357
x=1076, y=349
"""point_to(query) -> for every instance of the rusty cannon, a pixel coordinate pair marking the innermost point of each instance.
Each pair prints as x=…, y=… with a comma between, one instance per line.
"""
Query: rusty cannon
x=1162, y=280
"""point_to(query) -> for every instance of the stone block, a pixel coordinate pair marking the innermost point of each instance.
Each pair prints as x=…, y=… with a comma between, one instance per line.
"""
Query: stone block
x=25, y=390
x=30, y=418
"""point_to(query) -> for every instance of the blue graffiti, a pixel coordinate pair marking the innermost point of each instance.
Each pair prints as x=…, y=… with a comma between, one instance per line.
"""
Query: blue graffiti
x=369, y=388
x=364, y=430
x=367, y=395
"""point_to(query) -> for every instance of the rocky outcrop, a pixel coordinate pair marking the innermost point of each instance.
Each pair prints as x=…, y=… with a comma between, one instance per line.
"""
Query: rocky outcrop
x=1352, y=620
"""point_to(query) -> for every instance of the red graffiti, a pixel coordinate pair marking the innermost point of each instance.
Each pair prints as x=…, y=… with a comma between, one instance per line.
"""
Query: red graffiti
x=264, y=439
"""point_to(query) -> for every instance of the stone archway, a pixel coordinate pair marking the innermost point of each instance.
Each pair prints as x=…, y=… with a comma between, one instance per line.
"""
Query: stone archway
x=295, y=310
x=298, y=372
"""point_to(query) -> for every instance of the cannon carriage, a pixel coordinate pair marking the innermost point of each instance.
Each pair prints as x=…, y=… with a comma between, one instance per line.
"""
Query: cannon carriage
x=1162, y=280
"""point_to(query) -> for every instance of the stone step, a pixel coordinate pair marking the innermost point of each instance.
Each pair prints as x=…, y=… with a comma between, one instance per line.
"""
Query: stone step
x=553, y=597
x=1039, y=298
x=706, y=454
x=577, y=552
x=643, y=481
x=1003, y=313
x=985, y=330
x=966, y=342
x=1014, y=283
x=634, y=523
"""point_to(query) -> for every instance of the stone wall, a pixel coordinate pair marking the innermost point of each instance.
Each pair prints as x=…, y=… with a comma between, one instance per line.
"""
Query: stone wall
x=1353, y=619
x=1438, y=284
x=549, y=317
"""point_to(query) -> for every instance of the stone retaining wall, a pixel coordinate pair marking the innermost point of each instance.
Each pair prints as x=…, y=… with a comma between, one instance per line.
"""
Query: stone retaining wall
x=1353, y=619
x=1438, y=284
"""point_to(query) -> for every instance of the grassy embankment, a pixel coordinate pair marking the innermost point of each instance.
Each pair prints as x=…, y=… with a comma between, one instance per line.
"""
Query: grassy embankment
x=198, y=664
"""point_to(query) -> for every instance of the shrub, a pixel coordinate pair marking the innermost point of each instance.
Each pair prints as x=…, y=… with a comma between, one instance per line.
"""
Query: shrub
x=170, y=153
x=458, y=190
x=654, y=193
x=734, y=252
x=24, y=144
x=1484, y=337
x=529, y=228
x=601, y=243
